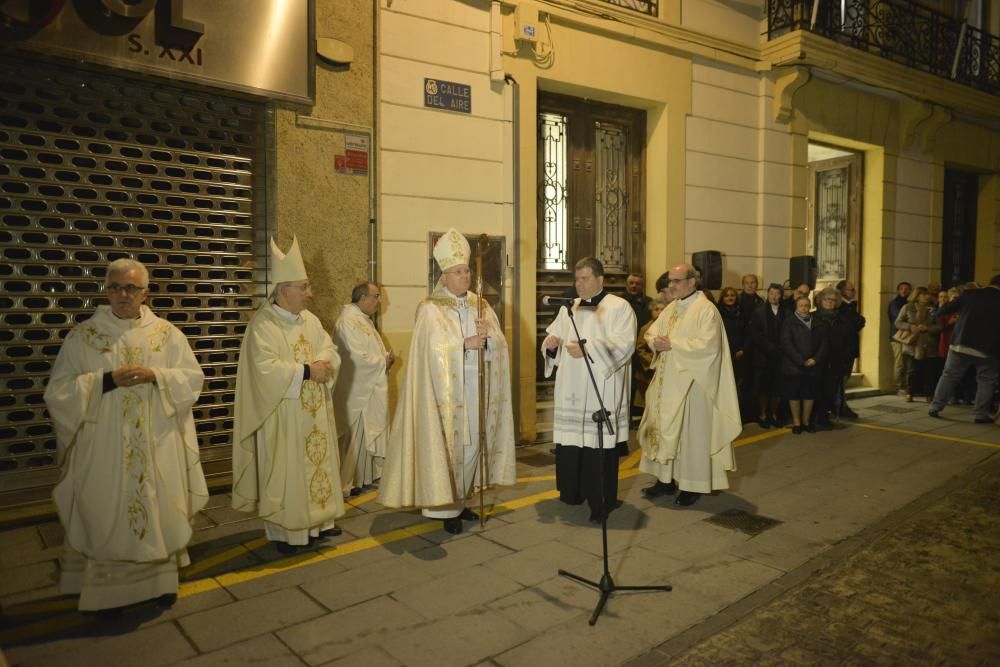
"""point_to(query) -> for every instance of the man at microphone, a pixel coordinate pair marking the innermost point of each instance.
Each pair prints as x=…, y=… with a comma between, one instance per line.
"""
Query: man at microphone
x=607, y=326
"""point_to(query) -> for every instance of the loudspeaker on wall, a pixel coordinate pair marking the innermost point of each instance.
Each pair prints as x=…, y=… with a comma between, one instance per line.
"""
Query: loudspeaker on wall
x=709, y=262
x=802, y=269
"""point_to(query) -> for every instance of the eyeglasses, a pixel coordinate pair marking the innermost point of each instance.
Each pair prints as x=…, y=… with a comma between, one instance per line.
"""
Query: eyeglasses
x=131, y=290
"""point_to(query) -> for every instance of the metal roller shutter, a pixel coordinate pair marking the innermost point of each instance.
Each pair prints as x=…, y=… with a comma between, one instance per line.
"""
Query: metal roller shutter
x=94, y=167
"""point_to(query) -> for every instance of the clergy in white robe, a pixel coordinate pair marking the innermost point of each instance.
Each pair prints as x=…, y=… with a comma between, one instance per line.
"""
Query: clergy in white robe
x=120, y=399
x=433, y=458
x=286, y=466
x=692, y=411
x=361, y=395
x=607, y=326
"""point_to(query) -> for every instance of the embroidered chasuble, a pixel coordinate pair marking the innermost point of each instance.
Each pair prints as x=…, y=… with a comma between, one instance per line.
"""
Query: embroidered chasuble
x=131, y=480
x=360, y=398
x=433, y=455
x=692, y=411
x=609, y=332
x=286, y=465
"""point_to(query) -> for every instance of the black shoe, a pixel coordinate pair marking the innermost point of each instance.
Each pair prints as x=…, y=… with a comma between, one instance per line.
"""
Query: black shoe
x=356, y=491
x=984, y=420
x=796, y=430
x=286, y=548
x=686, y=498
x=934, y=413
x=659, y=489
x=468, y=515
x=847, y=413
x=764, y=422
x=453, y=525
x=811, y=428
x=825, y=424
x=330, y=532
x=166, y=601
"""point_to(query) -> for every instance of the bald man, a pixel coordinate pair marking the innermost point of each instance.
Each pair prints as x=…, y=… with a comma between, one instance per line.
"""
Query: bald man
x=692, y=412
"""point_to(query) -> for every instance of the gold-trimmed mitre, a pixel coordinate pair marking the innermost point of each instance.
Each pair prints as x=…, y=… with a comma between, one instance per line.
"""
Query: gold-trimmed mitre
x=451, y=250
x=286, y=267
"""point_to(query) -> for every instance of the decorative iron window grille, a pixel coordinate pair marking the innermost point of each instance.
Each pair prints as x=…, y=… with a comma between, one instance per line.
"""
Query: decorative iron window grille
x=611, y=193
x=648, y=7
x=552, y=251
x=899, y=30
x=831, y=224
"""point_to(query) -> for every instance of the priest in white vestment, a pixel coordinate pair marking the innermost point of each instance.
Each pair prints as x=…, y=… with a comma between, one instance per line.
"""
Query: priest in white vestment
x=120, y=399
x=361, y=395
x=433, y=457
x=692, y=410
x=286, y=466
x=607, y=326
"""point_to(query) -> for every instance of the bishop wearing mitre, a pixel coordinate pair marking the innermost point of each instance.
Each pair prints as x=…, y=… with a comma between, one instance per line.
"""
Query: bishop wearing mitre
x=433, y=457
x=286, y=465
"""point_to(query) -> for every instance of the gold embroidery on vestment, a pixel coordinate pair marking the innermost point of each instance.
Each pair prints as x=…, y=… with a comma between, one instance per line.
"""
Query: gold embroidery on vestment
x=320, y=484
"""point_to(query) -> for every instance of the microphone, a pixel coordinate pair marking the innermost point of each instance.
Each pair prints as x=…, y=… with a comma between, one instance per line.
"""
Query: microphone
x=557, y=301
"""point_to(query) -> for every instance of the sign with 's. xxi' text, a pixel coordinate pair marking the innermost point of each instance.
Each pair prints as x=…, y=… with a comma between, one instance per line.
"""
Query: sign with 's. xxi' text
x=447, y=95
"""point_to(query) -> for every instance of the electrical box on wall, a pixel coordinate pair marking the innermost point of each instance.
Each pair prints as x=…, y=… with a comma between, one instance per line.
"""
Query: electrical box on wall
x=526, y=22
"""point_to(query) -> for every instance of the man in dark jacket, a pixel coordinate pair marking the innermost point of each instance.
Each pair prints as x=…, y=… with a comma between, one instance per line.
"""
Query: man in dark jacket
x=974, y=342
x=903, y=290
x=849, y=311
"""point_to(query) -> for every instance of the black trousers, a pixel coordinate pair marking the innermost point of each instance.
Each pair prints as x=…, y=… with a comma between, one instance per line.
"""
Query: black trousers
x=577, y=477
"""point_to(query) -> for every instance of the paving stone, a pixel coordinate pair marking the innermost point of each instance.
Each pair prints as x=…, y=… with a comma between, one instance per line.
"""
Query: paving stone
x=523, y=534
x=539, y=562
x=369, y=557
x=454, y=592
x=263, y=650
x=452, y=556
x=287, y=579
x=230, y=533
x=456, y=641
x=20, y=546
x=549, y=603
x=694, y=542
x=724, y=577
x=372, y=656
x=350, y=630
x=52, y=534
x=159, y=645
x=366, y=524
x=29, y=577
x=223, y=626
x=348, y=588
x=223, y=515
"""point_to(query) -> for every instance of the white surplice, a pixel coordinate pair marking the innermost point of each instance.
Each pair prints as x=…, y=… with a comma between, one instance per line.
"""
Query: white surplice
x=609, y=332
x=131, y=477
x=286, y=466
x=360, y=398
x=433, y=455
x=692, y=411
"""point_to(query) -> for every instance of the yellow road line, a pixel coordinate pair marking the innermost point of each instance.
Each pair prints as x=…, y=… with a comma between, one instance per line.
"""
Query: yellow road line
x=932, y=436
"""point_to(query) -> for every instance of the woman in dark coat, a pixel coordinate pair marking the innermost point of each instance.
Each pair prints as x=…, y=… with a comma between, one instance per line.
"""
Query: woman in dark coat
x=804, y=352
x=736, y=326
x=841, y=332
x=765, y=341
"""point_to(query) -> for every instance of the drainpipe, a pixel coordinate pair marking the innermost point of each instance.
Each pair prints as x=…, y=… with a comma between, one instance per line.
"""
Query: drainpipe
x=373, y=154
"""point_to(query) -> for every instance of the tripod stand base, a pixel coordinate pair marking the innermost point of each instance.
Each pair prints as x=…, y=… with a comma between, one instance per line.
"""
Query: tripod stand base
x=606, y=587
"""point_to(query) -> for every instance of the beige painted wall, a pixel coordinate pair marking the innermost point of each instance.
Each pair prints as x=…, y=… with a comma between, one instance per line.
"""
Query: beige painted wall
x=326, y=210
x=439, y=169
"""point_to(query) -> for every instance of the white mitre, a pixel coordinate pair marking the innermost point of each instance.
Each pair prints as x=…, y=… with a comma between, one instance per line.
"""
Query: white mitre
x=451, y=250
x=286, y=267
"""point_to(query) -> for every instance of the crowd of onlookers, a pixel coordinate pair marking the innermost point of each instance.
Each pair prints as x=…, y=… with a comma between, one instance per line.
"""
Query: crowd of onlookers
x=793, y=355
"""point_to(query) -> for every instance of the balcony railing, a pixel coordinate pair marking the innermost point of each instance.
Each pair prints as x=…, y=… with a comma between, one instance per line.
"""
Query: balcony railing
x=899, y=30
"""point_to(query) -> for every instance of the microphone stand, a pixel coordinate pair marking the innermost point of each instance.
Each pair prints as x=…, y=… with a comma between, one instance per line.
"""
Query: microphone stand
x=602, y=418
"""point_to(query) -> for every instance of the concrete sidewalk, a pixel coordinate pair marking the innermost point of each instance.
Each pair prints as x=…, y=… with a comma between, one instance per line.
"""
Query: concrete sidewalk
x=395, y=589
